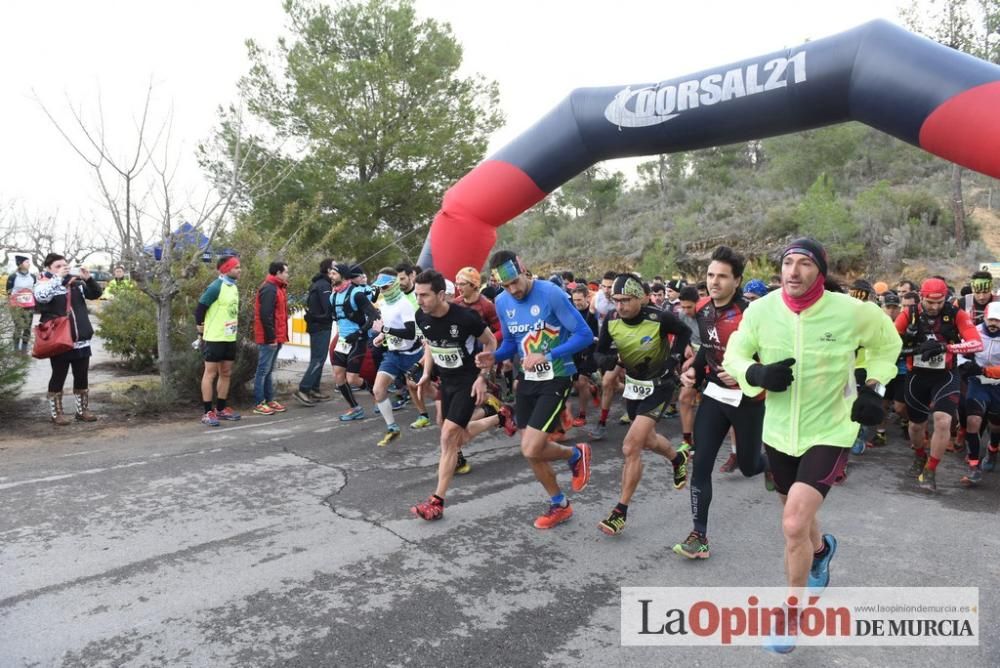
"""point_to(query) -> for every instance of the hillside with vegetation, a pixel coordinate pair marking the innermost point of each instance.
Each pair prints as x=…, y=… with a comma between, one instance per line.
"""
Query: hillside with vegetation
x=883, y=209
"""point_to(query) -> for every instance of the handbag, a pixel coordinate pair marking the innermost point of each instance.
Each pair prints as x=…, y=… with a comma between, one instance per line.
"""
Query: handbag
x=54, y=337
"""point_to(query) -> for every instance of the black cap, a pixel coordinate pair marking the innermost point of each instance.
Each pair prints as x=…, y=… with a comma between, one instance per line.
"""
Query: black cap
x=353, y=271
x=810, y=247
x=863, y=285
x=19, y=260
x=890, y=299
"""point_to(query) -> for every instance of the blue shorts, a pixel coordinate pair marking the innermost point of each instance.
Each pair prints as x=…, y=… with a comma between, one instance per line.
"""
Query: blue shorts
x=982, y=399
x=396, y=363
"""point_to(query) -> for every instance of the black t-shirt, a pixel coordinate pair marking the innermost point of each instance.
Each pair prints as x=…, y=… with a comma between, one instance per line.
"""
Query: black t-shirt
x=452, y=339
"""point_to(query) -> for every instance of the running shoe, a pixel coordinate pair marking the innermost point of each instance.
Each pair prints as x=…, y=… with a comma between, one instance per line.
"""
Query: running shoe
x=819, y=573
x=507, y=422
x=878, y=440
x=918, y=465
x=553, y=516
x=859, y=446
x=316, y=395
x=303, y=398
x=391, y=434
x=671, y=411
x=276, y=407
x=492, y=401
x=400, y=402
x=990, y=462
x=769, y=480
x=624, y=419
x=927, y=480
x=695, y=546
x=581, y=470
x=613, y=525
x=462, y=465
x=431, y=509
x=595, y=393
x=972, y=478
x=779, y=644
x=356, y=413
x=598, y=432
x=579, y=420
x=681, y=470
x=263, y=409
x=421, y=422
x=228, y=413
x=729, y=465
x=210, y=419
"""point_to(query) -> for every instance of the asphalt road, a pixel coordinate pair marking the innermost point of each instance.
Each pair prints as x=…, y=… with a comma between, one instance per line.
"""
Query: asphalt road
x=287, y=541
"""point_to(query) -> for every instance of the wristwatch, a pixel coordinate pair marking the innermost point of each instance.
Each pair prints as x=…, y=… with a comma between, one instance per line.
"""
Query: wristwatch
x=878, y=387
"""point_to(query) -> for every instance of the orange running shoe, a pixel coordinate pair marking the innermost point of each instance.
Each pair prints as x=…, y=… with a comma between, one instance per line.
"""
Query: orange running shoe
x=431, y=509
x=553, y=516
x=579, y=420
x=581, y=470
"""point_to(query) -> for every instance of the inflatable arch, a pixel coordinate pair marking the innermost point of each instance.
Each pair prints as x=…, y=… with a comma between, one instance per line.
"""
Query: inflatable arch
x=944, y=101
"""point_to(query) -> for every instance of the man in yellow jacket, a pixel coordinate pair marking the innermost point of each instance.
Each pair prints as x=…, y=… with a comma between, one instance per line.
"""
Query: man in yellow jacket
x=800, y=343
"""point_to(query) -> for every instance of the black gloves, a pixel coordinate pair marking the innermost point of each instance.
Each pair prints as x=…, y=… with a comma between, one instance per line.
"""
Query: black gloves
x=929, y=349
x=773, y=377
x=868, y=409
x=606, y=362
x=970, y=369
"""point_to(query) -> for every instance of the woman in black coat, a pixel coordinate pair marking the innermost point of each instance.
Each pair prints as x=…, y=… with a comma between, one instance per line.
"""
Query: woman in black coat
x=56, y=284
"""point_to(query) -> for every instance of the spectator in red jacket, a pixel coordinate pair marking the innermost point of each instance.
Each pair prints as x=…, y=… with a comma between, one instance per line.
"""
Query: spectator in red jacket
x=270, y=330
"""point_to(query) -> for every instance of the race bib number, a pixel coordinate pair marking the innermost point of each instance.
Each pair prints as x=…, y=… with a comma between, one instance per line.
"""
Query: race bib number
x=343, y=347
x=447, y=358
x=230, y=327
x=394, y=342
x=541, y=371
x=936, y=362
x=22, y=298
x=637, y=389
x=726, y=395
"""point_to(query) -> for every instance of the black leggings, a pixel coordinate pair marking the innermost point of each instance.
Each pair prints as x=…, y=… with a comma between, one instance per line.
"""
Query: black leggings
x=711, y=424
x=60, y=368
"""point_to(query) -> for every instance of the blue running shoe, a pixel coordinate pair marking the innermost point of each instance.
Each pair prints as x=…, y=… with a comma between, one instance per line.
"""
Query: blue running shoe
x=859, y=446
x=356, y=413
x=819, y=574
x=779, y=644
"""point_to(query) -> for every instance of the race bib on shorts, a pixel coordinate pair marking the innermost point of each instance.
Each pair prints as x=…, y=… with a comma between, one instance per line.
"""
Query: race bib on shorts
x=541, y=371
x=447, y=358
x=637, y=389
x=343, y=347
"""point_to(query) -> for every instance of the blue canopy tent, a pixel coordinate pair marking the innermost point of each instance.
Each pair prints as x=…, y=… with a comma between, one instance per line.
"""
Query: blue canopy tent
x=183, y=238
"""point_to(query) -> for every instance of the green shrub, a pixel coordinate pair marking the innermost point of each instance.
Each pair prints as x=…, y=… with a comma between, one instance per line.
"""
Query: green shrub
x=128, y=329
x=13, y=365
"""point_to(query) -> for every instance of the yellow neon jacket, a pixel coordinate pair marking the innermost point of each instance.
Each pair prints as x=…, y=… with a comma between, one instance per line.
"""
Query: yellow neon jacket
x=816, y=408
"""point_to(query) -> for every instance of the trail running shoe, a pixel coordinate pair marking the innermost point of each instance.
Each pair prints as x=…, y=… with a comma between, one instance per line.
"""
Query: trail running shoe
x=859, y=446
x=399, y=403
x=276, y=407
x=918, y=465
x=356, y=413
x=228, y=413
x=972, y=478
x=613, y=525
x=431, y=509
x=819, y=573
x=210, y=419
x=581, y=470
x=598, y=432
x=681, y=470
x=770, y=486
x=316, y=395
x=553, y=516
x=927, y=480
x=624, y=419
x=507, y=422
x=671, y=411
x=421, y=422
x=579, y=420
x=695, y=546
x=779, y=644
x=729, y=465
x=493, y=402
x=462, y=465
x=263, y=409
x=990, y=462
x=391, y=434
x=878, y=440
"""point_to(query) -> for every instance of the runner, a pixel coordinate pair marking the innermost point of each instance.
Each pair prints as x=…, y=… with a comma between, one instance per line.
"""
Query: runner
x=934, y=332
x=637, y=338
x=217, y=318
x=449, y=333
x=724, y=406
x=805, y=338
x=754, y=290
x=398, y=332
x=687, y=313
x=983, y=399
x=355, y=315
x=895, y=390
x=319, y=326
x=584, y=360
x=658, y=295
x=545, y=331
x=981, y=296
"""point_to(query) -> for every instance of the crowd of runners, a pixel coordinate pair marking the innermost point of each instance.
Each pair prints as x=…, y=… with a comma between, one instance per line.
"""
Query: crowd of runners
x=792, y=377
